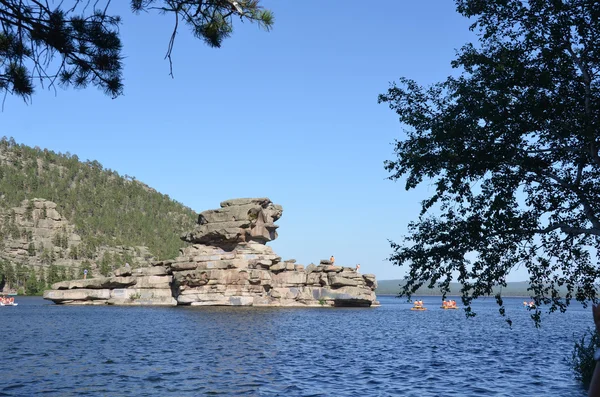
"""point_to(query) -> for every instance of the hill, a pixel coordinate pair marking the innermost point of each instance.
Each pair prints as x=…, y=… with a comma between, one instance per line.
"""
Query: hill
x=392, y=287
x=61, y=215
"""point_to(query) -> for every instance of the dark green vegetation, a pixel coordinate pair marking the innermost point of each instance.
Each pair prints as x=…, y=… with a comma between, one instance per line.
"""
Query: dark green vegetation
x=107, y=210
x=582, y=358
x=32, y=280
x=77, y=43
x=511, y=147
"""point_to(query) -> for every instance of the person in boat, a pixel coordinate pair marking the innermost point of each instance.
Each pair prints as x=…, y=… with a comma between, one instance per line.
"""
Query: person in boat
x=449, y=304
x=418, y=304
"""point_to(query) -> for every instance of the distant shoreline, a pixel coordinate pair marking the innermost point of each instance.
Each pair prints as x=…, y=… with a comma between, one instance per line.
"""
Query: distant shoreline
x=515, y=289
x=457, y=296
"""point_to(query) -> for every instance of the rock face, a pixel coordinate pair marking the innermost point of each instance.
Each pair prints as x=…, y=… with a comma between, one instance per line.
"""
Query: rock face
x=33, y=227
x=237, y=221
x=36, y=235
x=228, y=264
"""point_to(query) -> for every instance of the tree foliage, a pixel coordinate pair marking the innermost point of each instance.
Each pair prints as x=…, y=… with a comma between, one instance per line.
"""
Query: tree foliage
x=582, y=357
x=511, y=148
x=77, y=42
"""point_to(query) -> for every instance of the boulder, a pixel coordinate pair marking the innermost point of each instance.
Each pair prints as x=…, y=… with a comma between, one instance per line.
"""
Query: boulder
x=123, y=271
x=96, y=283
x=330, y=268
x=289, y=278
x=184, y=266
x=337, y=281
x=213, y=265
x=155, y=282
x=370, y=281
x=313, y=279
x=278, y=267
x=351, y=296
x=311, y=268
x=151, y=271
x=65, y=296
x=237, y=221
x=142, y=297
x=260, y=264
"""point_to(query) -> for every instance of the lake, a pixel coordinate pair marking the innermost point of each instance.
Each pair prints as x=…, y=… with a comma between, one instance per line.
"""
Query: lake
x=190, y=351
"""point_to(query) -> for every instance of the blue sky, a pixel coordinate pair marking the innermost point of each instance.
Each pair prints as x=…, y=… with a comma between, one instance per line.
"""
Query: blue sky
x=291, y=115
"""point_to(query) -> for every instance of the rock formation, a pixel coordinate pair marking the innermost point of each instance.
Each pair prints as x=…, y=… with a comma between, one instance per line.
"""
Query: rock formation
x=228, y=263
x=237, y=221
x=36, y=235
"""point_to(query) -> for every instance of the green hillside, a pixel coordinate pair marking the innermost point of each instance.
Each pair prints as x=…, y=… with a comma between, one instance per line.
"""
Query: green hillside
x=106, y=209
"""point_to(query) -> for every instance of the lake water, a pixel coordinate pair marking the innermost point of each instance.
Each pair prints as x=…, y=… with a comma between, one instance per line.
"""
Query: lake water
x=191, y=351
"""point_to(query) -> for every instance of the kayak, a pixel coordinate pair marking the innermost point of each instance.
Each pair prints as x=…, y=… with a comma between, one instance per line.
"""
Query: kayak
x=448, y=308
x=418, y=308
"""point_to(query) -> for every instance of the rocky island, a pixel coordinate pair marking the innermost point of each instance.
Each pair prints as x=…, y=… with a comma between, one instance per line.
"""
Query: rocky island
x=228, y=264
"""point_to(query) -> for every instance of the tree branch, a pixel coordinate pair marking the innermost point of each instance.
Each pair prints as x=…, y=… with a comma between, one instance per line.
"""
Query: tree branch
x=587, y=208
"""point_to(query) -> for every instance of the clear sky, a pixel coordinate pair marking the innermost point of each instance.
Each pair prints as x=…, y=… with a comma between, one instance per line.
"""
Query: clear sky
x=291, y=115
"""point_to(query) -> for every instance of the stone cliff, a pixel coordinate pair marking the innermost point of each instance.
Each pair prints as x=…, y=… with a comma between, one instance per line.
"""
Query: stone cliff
x=228, y=263
x=36, y=235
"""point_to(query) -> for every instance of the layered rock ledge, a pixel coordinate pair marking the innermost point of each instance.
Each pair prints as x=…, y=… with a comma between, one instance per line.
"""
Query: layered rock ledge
x=227, y=264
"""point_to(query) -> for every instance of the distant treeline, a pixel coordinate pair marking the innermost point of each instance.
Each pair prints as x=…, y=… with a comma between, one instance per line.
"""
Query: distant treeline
x=392, y=287
x=32, y=280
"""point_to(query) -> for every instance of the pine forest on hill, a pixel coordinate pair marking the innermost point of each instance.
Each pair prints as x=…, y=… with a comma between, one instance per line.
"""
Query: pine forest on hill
x=104, y=208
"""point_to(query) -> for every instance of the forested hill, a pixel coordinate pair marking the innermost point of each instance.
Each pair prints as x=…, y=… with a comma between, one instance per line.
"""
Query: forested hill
x=96, y=207
x=105, y=207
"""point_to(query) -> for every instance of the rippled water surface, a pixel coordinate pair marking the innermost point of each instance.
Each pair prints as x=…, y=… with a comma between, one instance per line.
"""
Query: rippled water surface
x=385, y=351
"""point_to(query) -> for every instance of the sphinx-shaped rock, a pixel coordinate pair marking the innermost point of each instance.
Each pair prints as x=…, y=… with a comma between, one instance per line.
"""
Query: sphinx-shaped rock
x=237, y=221
x=228, y=264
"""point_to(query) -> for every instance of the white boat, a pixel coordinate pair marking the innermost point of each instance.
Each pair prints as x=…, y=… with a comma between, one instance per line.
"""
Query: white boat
x=10, y=304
